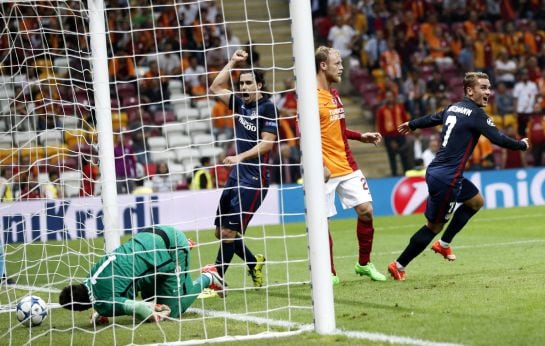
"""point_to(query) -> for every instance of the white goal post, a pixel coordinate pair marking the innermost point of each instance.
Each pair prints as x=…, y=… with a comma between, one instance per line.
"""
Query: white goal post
x=106, y=120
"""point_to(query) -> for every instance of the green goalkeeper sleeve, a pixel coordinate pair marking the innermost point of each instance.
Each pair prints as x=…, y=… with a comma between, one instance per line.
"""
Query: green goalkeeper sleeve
x=142, y=310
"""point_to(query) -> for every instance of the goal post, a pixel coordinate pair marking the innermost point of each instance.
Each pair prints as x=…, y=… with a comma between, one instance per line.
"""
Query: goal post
x=317, y=228
x=103, y=107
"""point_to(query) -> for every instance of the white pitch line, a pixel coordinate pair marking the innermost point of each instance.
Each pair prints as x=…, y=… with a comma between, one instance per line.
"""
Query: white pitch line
x=474, y=246
x=394, y=339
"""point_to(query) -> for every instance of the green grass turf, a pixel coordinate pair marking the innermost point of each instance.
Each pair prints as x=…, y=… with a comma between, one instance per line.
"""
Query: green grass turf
x=491, y=295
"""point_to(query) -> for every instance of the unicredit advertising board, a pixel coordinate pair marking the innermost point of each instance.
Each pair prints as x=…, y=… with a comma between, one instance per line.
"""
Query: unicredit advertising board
x=403, y=196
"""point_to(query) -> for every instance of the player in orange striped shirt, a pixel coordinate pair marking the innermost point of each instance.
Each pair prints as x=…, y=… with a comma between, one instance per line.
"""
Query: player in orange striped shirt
x=346, y=179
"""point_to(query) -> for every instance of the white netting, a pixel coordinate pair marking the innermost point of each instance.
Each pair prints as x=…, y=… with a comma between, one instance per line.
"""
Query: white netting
x=162, y=56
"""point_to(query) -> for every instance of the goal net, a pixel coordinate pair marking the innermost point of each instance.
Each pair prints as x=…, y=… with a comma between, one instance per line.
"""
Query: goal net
x=167, y=133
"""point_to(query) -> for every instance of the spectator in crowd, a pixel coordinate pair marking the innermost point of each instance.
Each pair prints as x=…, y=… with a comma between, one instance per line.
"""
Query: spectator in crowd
x=202, y=178
x=512, y=158
x=222, y=120
x=429, y=154
x=374, y=48
x=142, y=187
x=505, y=68
x=6, y=194
x=50, y=190
x=483, y=156
x=161, y=181
x=340, y=37
x=388, y=118
x=466, y=58
x=287, y=105
x=139, y=144
x=233, y=41
x=125, y=164
x=436, y=89
x=216, y=54
x=536, y=136
x=483, y=54
x=220, y=172
x=199, y=89
x=89, y=176
x=418, y=142
x=286, y=168
x=253, y=54
x=504, y=102
x=121, y=67
x=525, y=94
x=390, y=62
x=154, y=89
x=168, y=60
x=419, y=170
x=414, y=89
x=193, y=71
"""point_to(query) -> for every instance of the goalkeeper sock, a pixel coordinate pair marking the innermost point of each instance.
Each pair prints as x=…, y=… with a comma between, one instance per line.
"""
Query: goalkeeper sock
x=419, y=241
x=459, y=220
x=224, y=257
x=142, y=310
x=202, y=282
x=242, y=251
x=365, y=233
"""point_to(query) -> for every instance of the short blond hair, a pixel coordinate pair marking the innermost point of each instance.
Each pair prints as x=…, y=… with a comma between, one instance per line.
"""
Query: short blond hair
x=321, y=55
x=470, y=79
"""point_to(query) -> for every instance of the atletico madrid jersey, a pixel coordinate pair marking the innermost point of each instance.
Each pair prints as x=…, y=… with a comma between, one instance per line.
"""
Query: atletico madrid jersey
x=463, y=123
x=250, y=121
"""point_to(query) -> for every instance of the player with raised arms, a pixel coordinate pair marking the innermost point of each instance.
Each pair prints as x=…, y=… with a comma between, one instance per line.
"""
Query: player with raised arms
x=463, y=123
x=256, y=131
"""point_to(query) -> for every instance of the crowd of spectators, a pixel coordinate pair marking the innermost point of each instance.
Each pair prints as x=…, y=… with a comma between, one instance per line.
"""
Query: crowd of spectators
x=418, y=51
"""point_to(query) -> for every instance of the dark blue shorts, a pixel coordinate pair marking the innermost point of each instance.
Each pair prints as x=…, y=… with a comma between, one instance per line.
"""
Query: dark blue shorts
x=237, y=205
x=443, y=198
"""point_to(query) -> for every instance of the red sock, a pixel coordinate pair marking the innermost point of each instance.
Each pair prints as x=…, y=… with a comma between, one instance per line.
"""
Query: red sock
x=365, y=233
x=333, y=271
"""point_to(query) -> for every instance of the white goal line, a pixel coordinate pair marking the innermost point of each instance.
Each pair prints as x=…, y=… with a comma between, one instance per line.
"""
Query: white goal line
x=299, y=327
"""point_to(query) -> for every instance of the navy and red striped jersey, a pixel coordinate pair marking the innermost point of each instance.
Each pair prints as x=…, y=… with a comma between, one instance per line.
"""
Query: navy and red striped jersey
x=463, y=123
x=250, y=121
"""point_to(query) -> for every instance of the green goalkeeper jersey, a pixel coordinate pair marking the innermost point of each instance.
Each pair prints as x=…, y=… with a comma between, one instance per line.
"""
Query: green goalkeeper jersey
x=146, y=265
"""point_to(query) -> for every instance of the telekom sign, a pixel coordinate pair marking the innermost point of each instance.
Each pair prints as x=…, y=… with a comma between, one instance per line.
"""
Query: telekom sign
x=409, y=196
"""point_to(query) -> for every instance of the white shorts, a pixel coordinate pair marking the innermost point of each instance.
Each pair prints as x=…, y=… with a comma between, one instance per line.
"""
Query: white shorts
x=352, y=189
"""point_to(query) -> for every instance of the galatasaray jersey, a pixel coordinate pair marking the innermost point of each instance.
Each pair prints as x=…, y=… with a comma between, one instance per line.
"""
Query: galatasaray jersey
x=335, y=150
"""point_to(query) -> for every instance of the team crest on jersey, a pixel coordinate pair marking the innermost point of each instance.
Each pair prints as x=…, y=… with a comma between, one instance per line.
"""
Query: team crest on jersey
x=336, y=101
x=252, y=116
x=490, y=122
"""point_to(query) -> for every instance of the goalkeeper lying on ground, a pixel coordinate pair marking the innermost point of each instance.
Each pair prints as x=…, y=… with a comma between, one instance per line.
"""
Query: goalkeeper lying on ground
x=154, y=263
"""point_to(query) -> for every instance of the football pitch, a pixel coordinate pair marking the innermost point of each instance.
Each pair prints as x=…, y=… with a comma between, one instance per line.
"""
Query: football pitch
x=493, y=294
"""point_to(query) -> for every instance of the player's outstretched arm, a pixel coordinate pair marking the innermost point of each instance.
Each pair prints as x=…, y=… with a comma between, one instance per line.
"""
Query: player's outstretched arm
x=490, y=131
x=218, y=86
x=367, y=137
